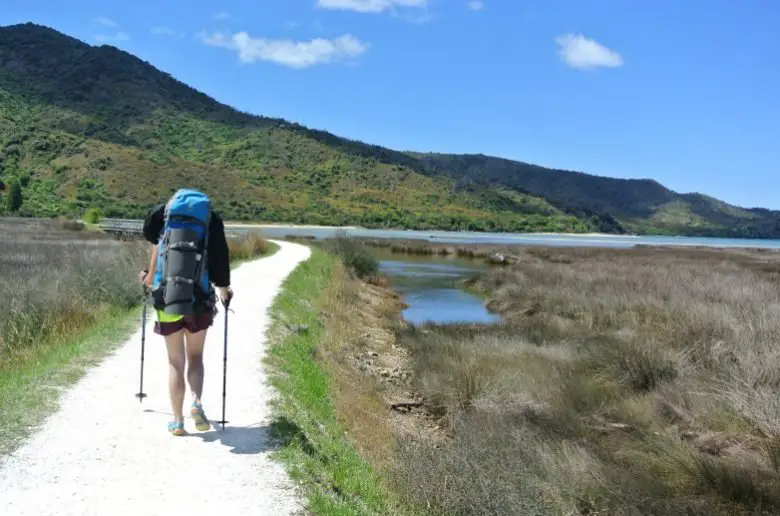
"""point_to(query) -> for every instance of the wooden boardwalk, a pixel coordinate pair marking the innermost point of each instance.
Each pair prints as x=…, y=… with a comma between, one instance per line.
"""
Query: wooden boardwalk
x=135, y=227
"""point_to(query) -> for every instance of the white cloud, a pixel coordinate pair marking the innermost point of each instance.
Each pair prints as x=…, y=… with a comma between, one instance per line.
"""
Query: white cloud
x=369, y=6
x=221, y=16
x=583, y=53
x=119, y=36
x=167, y=31
x=106, y=22
x=421, y=19
x=294, y=54
x=216, y=39
x=476, y=5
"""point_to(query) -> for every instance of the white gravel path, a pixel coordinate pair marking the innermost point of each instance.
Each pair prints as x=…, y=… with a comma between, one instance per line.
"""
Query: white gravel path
x=106, y=453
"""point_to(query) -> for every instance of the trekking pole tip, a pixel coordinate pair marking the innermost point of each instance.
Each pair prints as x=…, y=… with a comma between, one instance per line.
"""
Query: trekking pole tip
x=141, y=396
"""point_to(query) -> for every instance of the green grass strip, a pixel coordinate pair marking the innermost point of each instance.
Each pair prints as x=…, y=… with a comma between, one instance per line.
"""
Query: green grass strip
x=314, y=446
x=273, y=248
x=31, y=390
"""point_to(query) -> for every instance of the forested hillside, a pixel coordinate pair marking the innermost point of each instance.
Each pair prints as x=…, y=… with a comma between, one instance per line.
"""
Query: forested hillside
x=94, y=127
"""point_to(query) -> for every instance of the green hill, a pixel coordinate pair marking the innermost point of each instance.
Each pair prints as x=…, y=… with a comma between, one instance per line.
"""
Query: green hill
x=641, y=205
x=84, y=126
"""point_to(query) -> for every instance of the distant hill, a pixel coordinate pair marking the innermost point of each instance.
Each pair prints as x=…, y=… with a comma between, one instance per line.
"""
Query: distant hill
x=643, y=205
x=84, y=126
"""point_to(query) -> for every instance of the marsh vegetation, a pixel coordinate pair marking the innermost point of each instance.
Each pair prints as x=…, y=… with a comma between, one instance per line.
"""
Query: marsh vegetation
x=638, y=381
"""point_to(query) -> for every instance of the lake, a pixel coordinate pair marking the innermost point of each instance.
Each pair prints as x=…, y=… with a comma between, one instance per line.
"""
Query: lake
x=456, y=237
x=430, y=286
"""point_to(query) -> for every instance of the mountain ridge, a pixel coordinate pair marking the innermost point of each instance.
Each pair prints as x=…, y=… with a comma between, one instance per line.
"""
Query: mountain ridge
x=83, y=120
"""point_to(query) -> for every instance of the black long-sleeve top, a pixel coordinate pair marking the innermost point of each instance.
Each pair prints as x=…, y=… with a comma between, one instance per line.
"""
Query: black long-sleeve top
x=218, y=252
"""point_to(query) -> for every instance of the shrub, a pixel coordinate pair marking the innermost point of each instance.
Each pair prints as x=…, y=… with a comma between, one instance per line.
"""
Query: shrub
x=69, y=224
x=353, y=254
x=93, y=216
x=14, y=197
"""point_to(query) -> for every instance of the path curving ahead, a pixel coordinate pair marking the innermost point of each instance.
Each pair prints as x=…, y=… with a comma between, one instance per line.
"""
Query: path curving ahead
x=106, y=453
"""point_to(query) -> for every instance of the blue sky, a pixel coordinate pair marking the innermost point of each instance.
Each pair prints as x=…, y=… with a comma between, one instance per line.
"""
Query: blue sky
x=684, y=92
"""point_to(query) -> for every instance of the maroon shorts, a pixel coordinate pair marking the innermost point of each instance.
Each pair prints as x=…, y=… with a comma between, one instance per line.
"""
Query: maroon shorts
x=191, y=323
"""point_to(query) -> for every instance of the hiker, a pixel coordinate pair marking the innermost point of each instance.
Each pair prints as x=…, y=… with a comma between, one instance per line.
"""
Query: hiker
x=186, y=309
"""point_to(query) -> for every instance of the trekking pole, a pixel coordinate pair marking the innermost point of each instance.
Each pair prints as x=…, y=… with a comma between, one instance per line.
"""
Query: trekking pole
x=226, y=304
x=140, y=395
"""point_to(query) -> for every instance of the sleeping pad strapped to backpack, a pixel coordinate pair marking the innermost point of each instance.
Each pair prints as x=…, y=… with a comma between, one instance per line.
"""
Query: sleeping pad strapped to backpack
x=181, y=280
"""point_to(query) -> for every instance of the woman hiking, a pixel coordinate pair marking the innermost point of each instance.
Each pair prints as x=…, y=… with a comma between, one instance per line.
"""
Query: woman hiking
x=180, y=279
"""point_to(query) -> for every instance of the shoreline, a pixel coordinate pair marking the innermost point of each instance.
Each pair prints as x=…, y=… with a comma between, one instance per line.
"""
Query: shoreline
x=565, y=235
x=431, y=233
x=481, y=239
x=286, y=226
x=580, y=235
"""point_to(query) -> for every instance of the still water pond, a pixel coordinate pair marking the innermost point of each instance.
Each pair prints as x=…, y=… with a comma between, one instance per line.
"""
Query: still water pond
x=431, y=288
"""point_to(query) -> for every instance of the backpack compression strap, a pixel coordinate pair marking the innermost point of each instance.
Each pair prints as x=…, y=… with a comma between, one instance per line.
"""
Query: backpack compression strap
x=186, y=247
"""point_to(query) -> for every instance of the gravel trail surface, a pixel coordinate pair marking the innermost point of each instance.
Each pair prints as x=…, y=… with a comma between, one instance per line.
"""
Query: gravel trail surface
x=105, y=453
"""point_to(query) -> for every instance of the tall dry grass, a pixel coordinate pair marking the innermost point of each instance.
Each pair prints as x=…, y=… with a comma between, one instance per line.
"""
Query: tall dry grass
x=248, y=246
x=55, y=283
x=426, y=248
x=57, y=280
x=353, y=255
x=624, y=382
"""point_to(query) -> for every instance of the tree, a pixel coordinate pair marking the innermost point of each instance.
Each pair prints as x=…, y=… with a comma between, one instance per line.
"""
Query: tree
x=14, y=198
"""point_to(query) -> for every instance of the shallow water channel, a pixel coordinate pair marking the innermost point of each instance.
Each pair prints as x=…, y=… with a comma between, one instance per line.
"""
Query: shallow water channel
x=430, y=286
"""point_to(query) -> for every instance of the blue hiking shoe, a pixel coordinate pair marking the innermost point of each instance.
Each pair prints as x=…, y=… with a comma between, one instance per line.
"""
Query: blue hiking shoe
x=177, y=428
x=201, y=421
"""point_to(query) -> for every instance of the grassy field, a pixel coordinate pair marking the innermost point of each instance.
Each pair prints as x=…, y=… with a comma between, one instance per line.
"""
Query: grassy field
x=70, y=297
x=623, y=382
x=57, y=282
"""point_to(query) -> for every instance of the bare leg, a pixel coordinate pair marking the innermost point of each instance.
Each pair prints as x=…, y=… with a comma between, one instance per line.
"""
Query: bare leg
x=176, y=387
x=195, y=372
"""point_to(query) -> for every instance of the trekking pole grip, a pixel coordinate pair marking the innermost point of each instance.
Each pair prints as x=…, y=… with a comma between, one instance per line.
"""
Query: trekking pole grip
x=226, y=301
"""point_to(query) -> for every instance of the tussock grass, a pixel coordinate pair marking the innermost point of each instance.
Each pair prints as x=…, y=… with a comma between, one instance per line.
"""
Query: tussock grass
x=428, y=248
x=623, y=382
x=57, y=283
x=353, y=255
x=250, y=246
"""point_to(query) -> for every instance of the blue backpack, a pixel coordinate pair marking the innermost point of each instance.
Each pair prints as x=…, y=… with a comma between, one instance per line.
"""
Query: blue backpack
x=181, y=281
